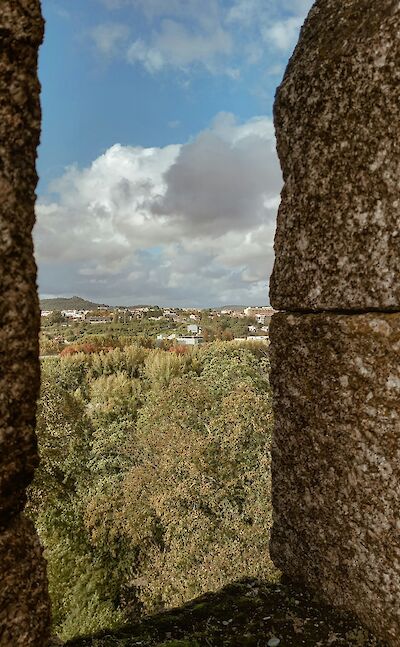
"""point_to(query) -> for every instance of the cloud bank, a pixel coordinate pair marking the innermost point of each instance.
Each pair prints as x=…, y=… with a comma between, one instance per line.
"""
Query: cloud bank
x=186, y=224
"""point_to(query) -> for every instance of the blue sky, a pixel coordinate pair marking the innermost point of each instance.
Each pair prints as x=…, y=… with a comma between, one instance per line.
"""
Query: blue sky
x=158, y=176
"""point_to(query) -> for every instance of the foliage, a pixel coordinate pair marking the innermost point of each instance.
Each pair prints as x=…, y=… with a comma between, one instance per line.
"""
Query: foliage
x=162, y=367
x=128, y=360
x=73, y=349
x=154, y=484
x=225, y=327
x=51, y=345
x=56, y=317
x=109, y=335
x=201, y=517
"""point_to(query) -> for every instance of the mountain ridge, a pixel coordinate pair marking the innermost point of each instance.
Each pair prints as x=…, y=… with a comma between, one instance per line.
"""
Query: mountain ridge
x=79, y=303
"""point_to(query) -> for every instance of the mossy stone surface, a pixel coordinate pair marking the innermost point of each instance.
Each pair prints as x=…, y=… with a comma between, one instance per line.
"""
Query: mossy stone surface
x=245, y=614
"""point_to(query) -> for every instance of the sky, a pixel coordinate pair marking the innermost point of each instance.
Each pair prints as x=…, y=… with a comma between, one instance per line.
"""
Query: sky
x=159, y=180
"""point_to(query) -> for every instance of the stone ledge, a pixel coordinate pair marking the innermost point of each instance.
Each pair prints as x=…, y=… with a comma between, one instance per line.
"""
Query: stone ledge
x=245, y=614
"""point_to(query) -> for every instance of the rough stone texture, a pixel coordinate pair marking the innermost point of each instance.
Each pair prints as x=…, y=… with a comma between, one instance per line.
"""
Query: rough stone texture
x=247, y=613
x=21, y=30
x=23, y=592
x=337, y=116
x=24, y=613
x=336, y=460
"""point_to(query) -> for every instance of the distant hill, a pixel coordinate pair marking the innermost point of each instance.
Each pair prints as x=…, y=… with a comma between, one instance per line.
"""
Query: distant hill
x=70, y=303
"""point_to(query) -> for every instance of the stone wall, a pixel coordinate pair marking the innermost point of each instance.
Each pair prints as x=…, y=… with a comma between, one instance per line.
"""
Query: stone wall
x=335, y=348
x=337, y=117
x=24, y=607
x=336, y=345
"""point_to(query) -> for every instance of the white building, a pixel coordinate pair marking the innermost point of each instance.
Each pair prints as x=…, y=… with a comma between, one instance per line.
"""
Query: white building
x=98, y=320
x=189, y=341
x=74, y=314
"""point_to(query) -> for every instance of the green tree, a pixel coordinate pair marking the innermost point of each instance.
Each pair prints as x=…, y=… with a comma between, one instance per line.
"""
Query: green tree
x=56, y=317
x=154, y=484
x=198, y=503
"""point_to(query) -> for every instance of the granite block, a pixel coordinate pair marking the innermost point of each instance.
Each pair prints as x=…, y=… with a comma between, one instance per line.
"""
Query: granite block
x=337, y=116
x=336, y=460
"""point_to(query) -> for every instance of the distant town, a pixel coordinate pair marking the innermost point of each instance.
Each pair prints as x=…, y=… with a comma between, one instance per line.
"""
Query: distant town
x=164, y=325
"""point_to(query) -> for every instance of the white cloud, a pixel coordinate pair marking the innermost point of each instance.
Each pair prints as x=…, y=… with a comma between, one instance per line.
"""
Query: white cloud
x=113, y=4
x=278, y=22
x=201, y=10
x=151, y=57
x=283, y=34
x=180, y=33
x=109, y=37
x=189, y=223
x=222, y=37
x=245, y=12
x=176, y=45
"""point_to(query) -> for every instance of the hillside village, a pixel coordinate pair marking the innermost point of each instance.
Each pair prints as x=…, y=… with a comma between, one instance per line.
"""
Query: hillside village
x=164, y=325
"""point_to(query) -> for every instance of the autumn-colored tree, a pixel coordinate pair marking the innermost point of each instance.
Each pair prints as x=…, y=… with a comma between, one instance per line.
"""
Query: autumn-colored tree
x=179, y=349
x=154, y=484
x=198, y=503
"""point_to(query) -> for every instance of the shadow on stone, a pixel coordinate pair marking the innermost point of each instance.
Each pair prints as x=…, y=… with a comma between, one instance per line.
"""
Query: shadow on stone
x=248, y=613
